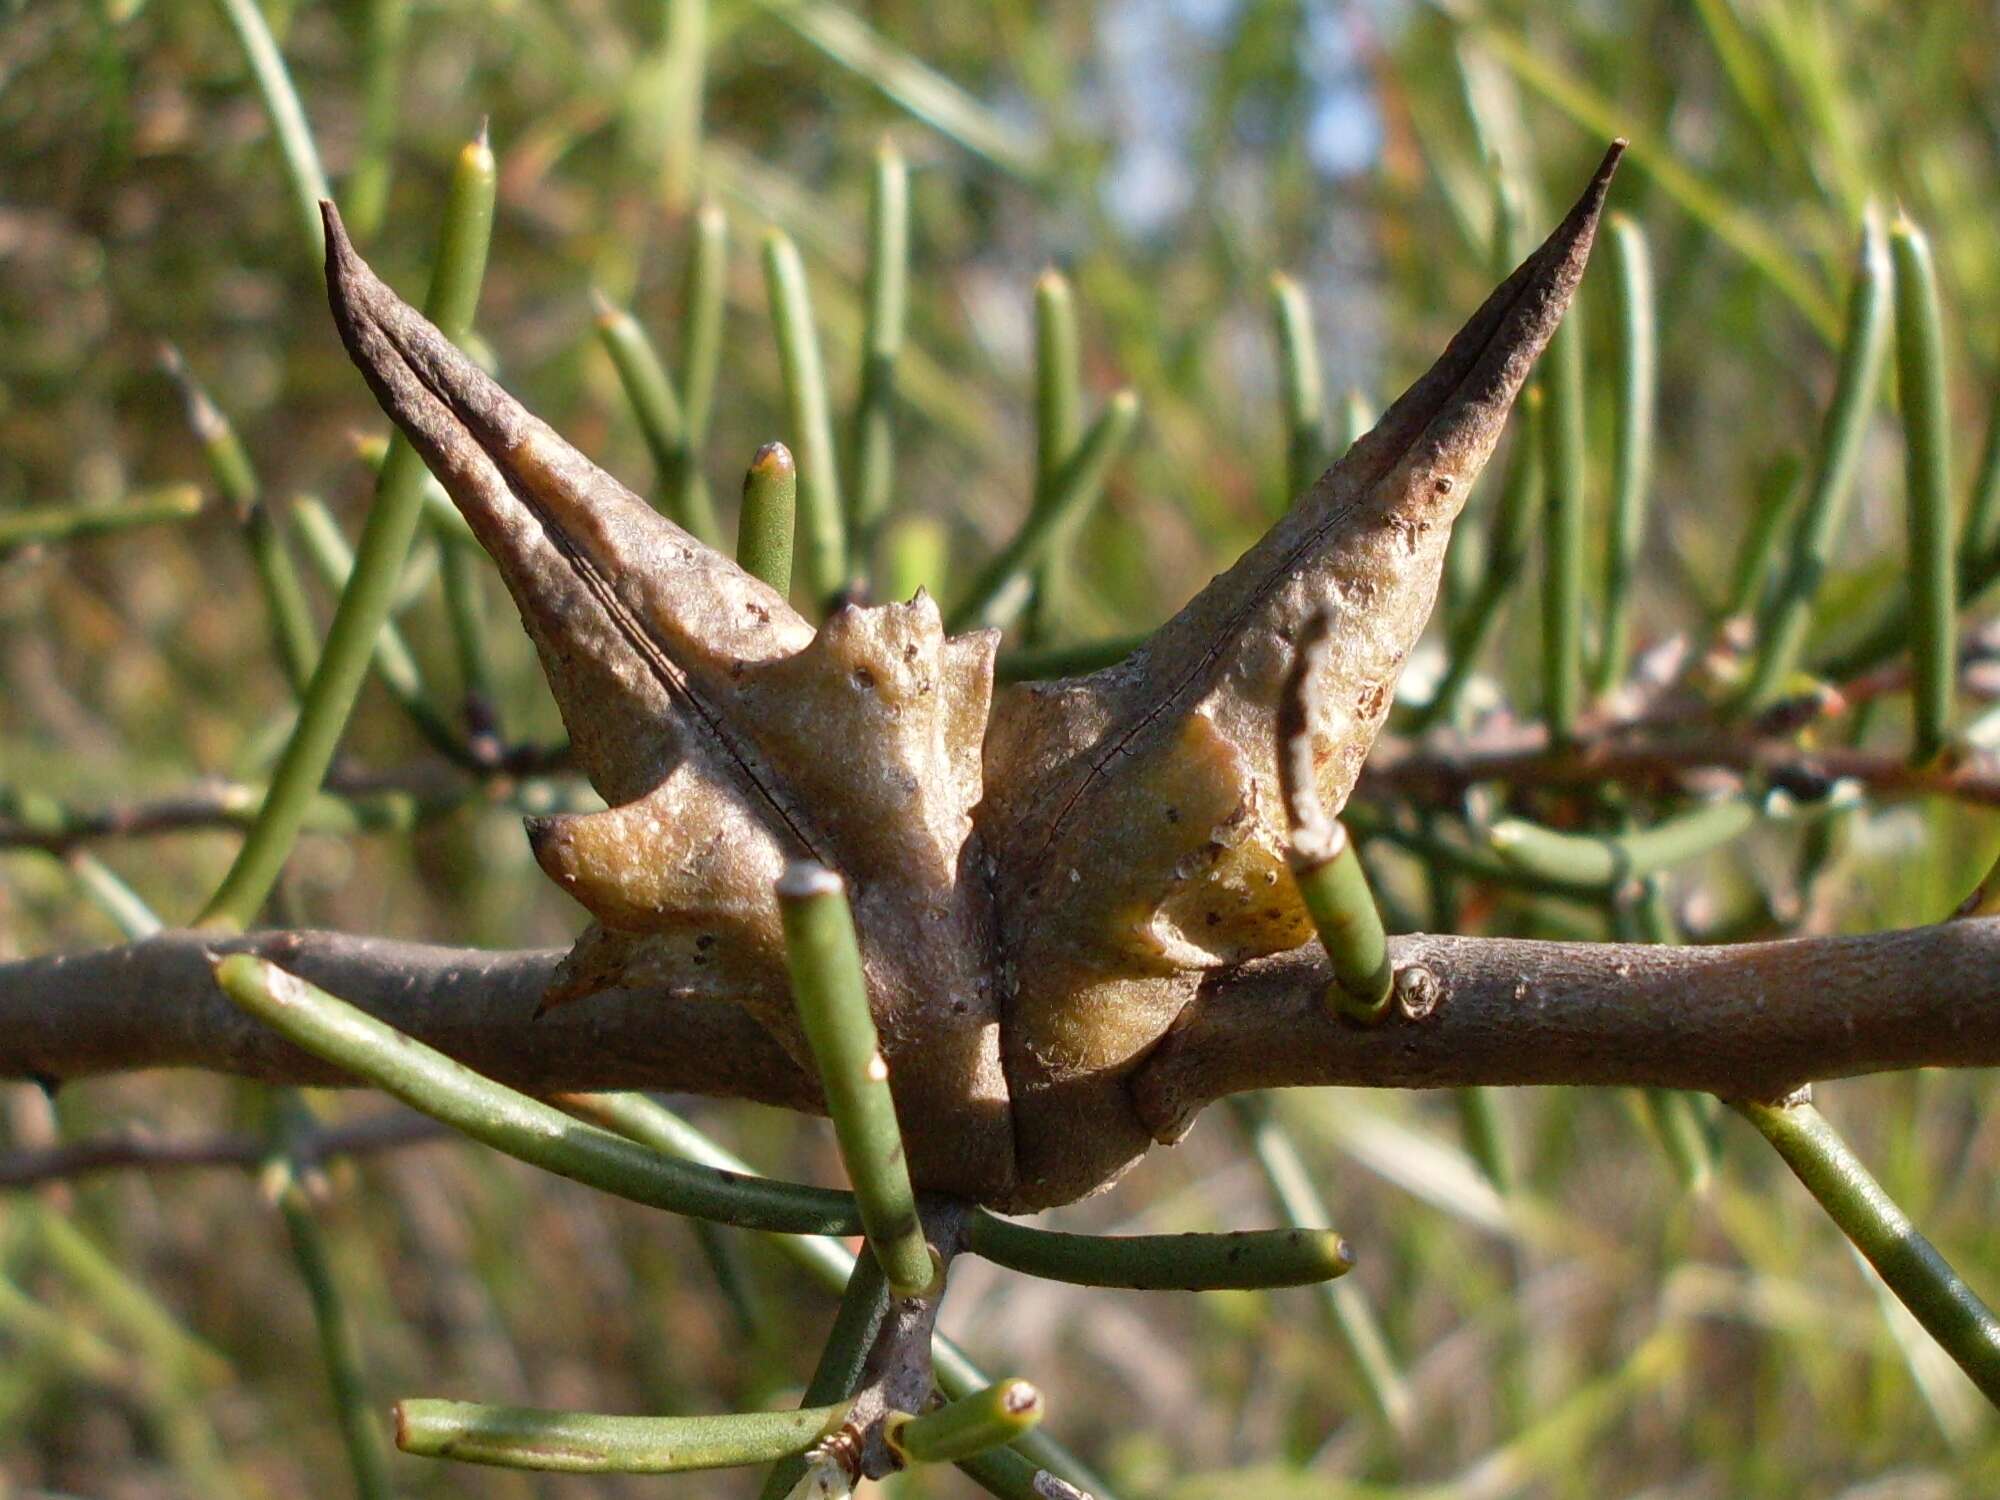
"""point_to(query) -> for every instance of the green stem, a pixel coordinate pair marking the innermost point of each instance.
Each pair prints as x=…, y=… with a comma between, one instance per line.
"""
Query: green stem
x=1058, y=422
x=1074, y=490
x=462, y=574
x=1246, y=1258
x=1488, y=1142
x=497, y=1116
x=872, y=451
x=1635, y=393
x=395, y=664
x=1980, y=537
x=1345, y=1299
x=519, y=1437
x=863, y=1305
x=117, y=900
x=662, y=421
x=823, y=957
x=67, y=523
x=986, y=1419
x=1337, y=896
x=1922, y=1279
x=1776, y=497
x=704, y=287
x=339, y=1350
x=764, y=526
x=1927, y=440
x=386, y=26
x=821, y=516
x=235, y=476
x=371, y=590
x=686, y=72
x=1562, y=531
x=1608, y=860
x=303, y=172
x=1304, y=391
x=1786, y=619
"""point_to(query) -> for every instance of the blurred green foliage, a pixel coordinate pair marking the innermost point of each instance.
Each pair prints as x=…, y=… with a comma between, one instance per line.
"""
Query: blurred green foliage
x=1595, y=1331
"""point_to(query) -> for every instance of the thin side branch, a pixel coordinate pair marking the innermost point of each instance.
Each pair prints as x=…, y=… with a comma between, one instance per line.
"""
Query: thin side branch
x=1520, y=755
x=389, y=1130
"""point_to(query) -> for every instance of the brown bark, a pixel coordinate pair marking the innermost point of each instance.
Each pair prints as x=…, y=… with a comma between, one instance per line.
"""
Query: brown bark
x=154, y=1004
x=1750, y=1021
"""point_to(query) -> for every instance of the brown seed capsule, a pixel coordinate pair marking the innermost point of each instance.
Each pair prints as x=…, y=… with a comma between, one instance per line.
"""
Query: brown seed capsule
x=1135, y=814
x=1039, y=889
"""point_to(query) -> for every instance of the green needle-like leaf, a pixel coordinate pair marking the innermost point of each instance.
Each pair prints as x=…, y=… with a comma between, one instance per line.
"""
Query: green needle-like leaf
x=1609, y=860
x=823, y=957
x=235, y=476
x=303, y=173
x=989, y=1418
x=1635, y=393
x=1927, y=439
x=1058, y=424
x=519, y=1437
x=1774, y=497
x=371, y=590
x=863, y=1305
x=662, y=421
x=339, y=1350
x=822, y=520
x=704, y=293
x=385, y=28
x=1562, y=529
x=828, y=1262
x=872, y=449
x=1075, y=489
x=1921, y=1278
x=1163, y=1262
x=1507, y=543
x=1786, y=618
x=427, y=1080
x=394, y=662
x=38, y=525
x=764, y=526
x=1300, y=382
